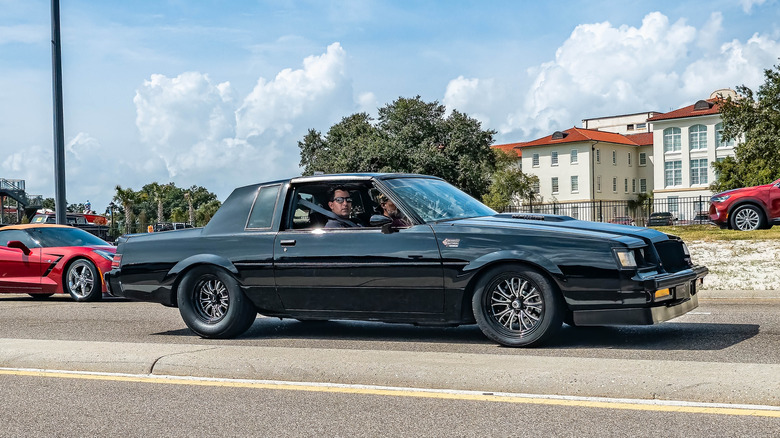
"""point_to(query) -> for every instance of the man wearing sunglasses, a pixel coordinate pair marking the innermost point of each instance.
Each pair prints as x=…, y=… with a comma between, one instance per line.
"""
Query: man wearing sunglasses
x=339, y=203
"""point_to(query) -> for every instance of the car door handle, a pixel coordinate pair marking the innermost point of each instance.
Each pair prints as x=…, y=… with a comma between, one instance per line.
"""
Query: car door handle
x=290, y=242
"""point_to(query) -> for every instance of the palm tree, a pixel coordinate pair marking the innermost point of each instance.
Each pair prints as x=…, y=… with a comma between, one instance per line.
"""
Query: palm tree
x=127, y=198
x=188, y=197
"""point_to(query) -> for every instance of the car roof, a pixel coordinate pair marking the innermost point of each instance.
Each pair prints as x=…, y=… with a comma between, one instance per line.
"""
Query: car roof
x=28, y=226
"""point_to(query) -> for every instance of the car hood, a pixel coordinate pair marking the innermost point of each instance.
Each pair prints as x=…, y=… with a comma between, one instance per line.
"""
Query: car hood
x=552, y=223
x=765, y=186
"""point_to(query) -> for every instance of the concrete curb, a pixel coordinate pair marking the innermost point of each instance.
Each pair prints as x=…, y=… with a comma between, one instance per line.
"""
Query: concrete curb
x=739, y=294
x=734, y=383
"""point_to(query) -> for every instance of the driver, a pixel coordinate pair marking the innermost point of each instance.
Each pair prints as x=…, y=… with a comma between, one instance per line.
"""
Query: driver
x=340, y=203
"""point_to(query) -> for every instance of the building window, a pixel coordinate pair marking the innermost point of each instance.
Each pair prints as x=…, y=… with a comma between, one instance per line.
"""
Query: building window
x=598, y=156
x=598, y=183
x=614, y=184
x=614, y=158
x=673, y=173
x=535, y=187
x=625, y=184
x=555, y=184
x=575, y=184
x=574, y=156
x=633, y=185
x=535, y=160
x=629, y=158
x=672, y=139
x=643, y=158
x=554, y=158
x=698, y=137
x=641, y=126
x=630, y=127
x=699, y=171
x=719, y=142
x=643, y=185
x=575, y=211
x=673, y=204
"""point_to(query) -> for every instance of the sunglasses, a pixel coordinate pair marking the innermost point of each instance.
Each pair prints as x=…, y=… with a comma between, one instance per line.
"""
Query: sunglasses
x=341, y=199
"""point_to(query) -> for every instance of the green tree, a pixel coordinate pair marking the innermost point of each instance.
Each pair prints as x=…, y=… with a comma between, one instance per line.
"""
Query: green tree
x=509, y=183
x=126, y=197
x=410, y=136
x=757, y=118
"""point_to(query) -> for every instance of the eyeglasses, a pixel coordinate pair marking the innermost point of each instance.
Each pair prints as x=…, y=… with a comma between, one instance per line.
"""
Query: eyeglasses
x=341, y=199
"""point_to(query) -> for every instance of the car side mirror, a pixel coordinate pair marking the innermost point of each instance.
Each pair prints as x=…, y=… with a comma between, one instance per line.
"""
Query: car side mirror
x=19, y=245
x=385, y=222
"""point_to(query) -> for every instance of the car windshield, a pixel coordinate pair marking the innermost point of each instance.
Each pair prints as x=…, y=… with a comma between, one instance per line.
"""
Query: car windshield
x=55, y=237
x=436, y=200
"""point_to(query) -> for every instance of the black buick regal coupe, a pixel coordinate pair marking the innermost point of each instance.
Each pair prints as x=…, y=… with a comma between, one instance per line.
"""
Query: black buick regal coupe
x=437, y=256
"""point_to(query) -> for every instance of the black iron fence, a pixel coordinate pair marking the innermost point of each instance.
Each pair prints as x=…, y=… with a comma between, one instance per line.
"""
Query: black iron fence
x=689, y=210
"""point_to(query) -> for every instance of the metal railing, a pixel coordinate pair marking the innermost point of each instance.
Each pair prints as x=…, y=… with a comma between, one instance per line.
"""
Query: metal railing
x=685, y=211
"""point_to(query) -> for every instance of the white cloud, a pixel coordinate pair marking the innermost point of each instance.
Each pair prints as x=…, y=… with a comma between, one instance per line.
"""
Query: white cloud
x=747, y=5
x=475, y=97
x=24, y=33
x=207, y=137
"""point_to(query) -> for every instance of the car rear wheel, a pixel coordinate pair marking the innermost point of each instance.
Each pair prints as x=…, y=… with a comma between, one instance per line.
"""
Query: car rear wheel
x=747, y=218
x=212, y=304
x=82, y=281
x=517, y=306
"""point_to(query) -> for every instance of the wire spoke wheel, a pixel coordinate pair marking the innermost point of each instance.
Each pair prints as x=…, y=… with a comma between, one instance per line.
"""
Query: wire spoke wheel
x=212, y=299
x=517, y=306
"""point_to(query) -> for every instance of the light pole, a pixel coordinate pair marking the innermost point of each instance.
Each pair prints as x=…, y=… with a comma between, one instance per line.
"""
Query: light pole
x=111, y=207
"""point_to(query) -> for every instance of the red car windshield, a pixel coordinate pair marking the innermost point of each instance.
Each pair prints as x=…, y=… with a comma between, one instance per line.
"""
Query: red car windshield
x=55, y=237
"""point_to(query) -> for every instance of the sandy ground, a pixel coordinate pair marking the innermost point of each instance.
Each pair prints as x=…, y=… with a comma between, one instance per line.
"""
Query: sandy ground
x=739, y=264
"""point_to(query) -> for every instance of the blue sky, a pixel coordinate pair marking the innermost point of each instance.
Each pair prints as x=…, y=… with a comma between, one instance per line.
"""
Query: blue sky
x=217, y=93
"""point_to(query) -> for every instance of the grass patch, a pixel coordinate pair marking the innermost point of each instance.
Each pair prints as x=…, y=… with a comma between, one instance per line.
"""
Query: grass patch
x=713, y=233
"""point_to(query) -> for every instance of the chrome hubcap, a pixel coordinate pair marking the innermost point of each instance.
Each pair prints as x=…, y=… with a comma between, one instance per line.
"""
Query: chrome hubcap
x=747, y=219
x=517, y=305
x=80, y=279
x=213, y=299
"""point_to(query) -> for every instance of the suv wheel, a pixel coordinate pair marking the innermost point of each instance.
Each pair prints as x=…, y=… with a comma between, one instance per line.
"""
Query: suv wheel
x=747, y=218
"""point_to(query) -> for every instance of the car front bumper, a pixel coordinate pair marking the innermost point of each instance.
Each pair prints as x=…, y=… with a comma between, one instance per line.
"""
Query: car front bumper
x=684, y=298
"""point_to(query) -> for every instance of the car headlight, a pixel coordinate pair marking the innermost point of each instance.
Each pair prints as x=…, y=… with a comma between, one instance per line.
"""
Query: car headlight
x=105, y=254
x=625, y=258
x=720, y=198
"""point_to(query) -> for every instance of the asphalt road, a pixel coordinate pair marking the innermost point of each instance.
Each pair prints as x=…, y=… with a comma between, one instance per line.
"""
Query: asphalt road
x=723, y=355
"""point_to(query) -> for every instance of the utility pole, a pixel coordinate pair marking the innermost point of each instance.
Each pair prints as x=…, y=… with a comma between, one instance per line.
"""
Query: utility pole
x=59, y=136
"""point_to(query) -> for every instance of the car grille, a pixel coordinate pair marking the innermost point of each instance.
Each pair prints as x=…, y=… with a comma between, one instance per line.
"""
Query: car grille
x=672, y=255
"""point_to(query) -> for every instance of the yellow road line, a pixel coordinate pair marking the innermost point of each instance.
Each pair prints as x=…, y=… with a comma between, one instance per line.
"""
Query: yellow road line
x=590, y=402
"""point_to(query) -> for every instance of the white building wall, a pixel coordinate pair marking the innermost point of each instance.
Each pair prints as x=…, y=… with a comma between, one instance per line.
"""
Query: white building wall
x=685, y=155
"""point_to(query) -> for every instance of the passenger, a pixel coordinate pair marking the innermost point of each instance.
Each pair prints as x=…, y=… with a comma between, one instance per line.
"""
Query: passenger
x=389, y=209
x=339, y=203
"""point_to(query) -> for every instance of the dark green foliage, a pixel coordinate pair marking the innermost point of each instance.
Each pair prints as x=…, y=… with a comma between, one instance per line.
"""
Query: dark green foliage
x=757, y=117
x=410, y=136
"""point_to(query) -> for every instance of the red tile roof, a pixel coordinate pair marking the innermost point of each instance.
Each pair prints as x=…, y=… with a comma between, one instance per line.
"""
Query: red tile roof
x=689, y=111
x=510, y=147
x=575, y=135
x=643, y=139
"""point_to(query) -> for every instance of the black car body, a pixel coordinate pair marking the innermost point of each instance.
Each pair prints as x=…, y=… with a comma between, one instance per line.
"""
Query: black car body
x=660, y=219
x=458, y=262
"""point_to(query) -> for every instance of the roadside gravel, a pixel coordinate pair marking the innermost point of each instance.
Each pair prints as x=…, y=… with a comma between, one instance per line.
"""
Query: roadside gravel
x=738, y=264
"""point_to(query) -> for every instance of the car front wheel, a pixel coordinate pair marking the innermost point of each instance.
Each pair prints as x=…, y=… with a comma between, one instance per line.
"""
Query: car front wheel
x=212, y=304
x=82, y=281
x=747, y=218
x=517, y=306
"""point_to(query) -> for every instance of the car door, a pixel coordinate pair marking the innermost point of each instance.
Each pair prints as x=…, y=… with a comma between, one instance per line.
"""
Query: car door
x=774, y=201
x=19, y=272
x=359, y=271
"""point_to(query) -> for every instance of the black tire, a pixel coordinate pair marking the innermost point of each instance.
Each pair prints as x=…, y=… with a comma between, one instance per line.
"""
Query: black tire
x=747, y=218
x=39, y=297
x=82, y=281
x=517, y=306
x=212, y=304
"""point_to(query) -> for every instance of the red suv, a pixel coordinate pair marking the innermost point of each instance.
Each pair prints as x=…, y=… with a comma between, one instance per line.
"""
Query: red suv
x=748, y=208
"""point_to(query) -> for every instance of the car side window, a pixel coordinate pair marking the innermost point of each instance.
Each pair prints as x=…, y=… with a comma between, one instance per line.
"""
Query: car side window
x=262, y=214
x=20, y=235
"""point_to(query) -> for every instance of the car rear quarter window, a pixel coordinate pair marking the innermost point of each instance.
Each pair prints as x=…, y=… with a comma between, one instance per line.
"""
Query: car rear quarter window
x=262, y=213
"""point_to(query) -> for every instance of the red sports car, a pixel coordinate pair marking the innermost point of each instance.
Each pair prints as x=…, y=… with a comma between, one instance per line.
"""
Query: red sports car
x=42, y=260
